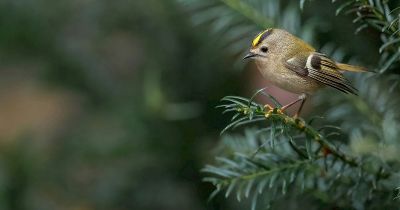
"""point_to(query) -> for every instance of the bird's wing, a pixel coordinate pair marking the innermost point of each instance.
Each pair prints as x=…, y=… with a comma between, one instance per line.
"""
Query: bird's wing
x=321, y=68
x=298, y=64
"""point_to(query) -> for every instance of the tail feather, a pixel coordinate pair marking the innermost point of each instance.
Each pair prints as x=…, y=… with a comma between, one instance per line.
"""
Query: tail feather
x=347, y=67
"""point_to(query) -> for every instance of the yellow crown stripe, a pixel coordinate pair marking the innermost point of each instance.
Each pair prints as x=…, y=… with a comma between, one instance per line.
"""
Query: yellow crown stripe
x=257, y=40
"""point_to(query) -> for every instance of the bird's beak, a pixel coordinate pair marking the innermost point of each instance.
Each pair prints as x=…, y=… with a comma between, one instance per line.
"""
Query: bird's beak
x=250, y=55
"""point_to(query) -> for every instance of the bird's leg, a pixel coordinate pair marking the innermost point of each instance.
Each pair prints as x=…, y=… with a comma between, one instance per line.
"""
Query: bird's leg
x=269, y=109
x=301, y=98
x=304, y=97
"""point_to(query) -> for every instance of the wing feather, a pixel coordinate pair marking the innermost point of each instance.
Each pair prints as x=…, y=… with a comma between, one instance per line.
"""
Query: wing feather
x=319, y=67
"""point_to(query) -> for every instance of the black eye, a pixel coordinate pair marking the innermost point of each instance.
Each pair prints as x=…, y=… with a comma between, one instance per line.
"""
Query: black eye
x=264, y=49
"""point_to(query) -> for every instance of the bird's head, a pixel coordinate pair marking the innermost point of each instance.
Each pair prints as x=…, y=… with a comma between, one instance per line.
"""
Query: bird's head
x=261, y=44
x=274, y=43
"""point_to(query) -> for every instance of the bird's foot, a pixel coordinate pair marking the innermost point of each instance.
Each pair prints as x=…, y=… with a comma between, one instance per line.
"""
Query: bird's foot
x=271, y=110
x=268, y=110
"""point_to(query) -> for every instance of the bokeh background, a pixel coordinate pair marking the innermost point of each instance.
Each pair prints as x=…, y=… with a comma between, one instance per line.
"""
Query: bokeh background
x=111, y=104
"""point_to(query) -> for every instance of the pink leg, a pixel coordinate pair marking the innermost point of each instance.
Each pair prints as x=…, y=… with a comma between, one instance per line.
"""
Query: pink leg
x=301, y=98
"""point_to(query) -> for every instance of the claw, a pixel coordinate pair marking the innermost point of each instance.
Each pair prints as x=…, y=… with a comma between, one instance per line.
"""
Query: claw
x=269, y=110
x=269, y=107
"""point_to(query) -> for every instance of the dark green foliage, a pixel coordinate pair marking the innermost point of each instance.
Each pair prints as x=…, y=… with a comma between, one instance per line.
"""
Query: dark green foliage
x=379, y=15
x=234, y=22
x=129, y=126
x=291, y=154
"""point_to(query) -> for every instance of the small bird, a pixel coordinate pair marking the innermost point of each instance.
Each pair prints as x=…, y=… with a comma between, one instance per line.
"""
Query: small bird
x=291, y=64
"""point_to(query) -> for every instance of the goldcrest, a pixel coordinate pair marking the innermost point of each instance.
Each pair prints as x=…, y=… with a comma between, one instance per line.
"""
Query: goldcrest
x=291, y=64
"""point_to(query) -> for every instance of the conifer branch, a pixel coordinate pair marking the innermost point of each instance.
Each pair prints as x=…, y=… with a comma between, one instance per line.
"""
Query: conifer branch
x=378, y=15
x=254, y=111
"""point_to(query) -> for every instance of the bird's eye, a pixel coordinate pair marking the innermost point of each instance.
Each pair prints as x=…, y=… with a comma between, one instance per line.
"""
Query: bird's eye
x=264, y=49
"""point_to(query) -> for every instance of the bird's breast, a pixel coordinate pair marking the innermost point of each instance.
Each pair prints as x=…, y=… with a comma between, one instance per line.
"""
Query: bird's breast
x=276, y=73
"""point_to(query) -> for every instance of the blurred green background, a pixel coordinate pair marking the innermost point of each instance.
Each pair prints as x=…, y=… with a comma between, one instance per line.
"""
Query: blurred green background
x=110, y=104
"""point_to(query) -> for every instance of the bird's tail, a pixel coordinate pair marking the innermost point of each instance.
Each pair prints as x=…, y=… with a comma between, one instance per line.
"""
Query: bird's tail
x=347, y=67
